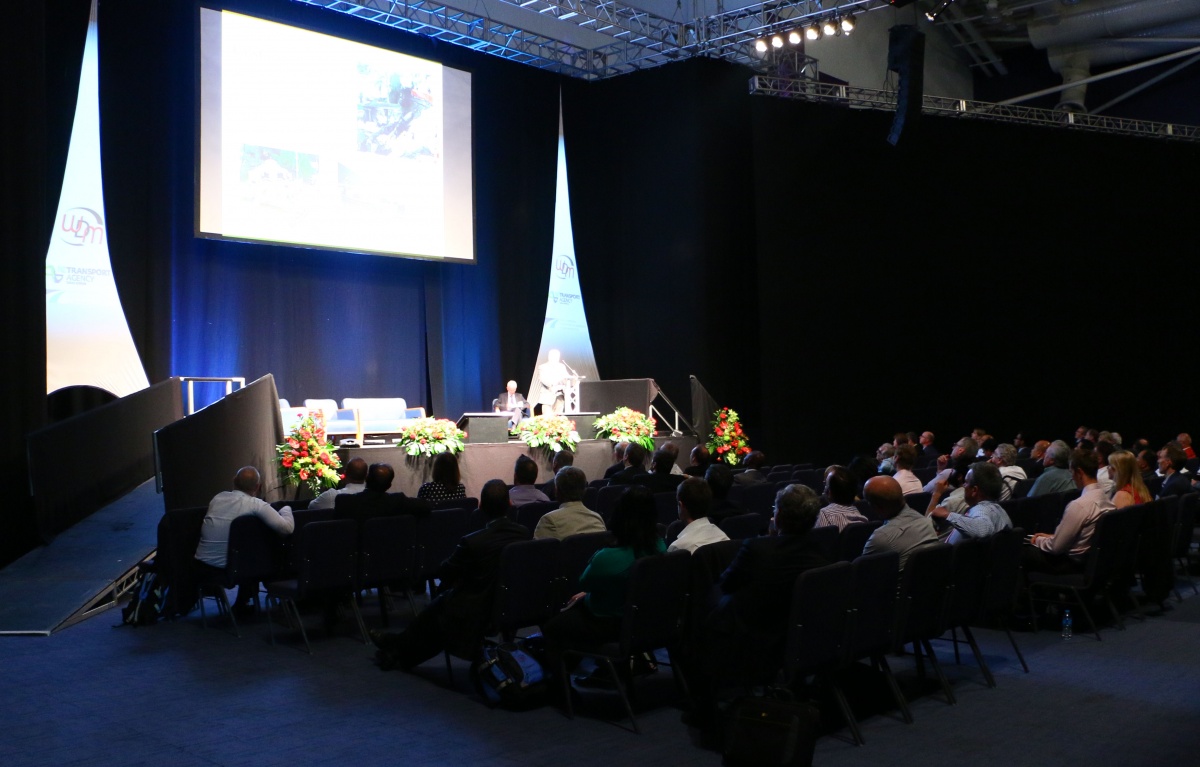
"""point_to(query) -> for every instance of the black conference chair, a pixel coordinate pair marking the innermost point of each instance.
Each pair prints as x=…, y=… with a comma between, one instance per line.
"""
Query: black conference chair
x=1182, y=533
x=457, y=503
x=817, y=632
x=872, y=629
x=968, y=580
x=438, y=535
x=575, y=552
x=327, y=564
x=667, y=508
x=854, y=537
x=606, y=500
x=251, y=557
x=530, y=513
x=1003, y=582
x=743, y=526
x=389, y=550
x=918, y=501
x=653, y=619
x=826, y=540
x=527, y=585
x=924, y=591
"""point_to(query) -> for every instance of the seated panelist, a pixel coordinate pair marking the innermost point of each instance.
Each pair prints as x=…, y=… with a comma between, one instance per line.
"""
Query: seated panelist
x=513, y=402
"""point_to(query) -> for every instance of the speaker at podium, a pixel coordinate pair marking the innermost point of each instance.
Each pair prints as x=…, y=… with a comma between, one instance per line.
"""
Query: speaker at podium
x=484, y=427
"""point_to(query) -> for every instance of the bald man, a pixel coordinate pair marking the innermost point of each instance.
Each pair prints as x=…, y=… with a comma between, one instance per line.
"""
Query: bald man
x=905, y=530
x=356, y=481
x=222, y=510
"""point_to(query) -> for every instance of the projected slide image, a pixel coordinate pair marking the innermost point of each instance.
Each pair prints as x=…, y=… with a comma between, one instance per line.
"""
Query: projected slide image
x=396, y=115
x=274, y=177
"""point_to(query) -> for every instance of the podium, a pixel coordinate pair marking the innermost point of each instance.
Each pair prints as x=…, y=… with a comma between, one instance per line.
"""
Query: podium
x=484, y=427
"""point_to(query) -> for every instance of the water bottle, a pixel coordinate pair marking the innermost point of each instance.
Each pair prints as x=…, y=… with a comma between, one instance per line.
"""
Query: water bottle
x=1066, y=624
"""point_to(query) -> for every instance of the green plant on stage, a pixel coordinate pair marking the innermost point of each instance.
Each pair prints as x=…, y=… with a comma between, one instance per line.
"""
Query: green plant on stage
x=550, y=432
x=307, y=456
x=626, y=425
x=430, y=436
x=727, y=442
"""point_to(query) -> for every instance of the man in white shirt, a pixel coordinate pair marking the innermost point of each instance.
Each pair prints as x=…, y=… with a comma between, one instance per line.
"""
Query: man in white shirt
x=694, y=499
x=228, y=506
x=356, y=482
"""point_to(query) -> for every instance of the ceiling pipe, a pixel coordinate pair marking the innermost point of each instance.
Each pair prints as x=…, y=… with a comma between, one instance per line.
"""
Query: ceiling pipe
x=1109, y=18
x=1104, y=76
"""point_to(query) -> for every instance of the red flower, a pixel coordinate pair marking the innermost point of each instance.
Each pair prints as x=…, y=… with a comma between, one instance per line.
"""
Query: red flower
x=303, y=453
x=303, y=474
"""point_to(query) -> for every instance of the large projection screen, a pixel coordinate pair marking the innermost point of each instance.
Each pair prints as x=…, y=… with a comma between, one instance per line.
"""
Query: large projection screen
x=317, y=141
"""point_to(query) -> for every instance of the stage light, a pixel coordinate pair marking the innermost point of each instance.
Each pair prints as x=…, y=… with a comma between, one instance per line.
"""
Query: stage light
x=812, y=32
x=829, y=28
x=938, y=9
x=794, y=37
x=848, y=24
x=760, y=45
x=776, y=42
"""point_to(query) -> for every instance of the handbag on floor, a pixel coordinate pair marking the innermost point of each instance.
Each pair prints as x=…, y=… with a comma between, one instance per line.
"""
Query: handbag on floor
x=774, y=730
x=508, y=674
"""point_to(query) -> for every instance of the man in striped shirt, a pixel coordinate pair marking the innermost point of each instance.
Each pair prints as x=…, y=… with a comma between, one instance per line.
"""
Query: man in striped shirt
x=841, y=511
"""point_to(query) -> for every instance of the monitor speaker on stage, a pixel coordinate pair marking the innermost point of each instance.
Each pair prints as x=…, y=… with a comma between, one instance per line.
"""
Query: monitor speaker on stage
x=484, y=427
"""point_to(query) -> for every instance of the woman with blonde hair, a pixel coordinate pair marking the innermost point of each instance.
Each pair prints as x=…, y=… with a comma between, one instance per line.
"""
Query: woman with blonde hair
x=1127, y=479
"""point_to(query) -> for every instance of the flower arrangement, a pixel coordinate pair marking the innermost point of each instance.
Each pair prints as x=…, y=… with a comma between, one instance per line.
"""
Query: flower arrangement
x=626, y=425
x=306, y=455
x=430, y=436
x=727, y=442
x=552, y=432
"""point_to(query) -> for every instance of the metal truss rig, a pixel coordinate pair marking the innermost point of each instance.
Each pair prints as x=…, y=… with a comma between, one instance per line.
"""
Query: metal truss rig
x=628, y=38
x=865, y=98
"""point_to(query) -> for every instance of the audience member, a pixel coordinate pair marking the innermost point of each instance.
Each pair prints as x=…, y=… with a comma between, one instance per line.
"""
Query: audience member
x=457, y=619
x=1103, y=451
x=984, y=516
x=1039, y=449
x=571, y=517
x=840, y=511
x=694, y=499
x=945, y=463
x=906, y=461
x=1171, y=460
x=672, y=449
x=1056, y=477
x=376, y=501
x=562, y=459
x=227, y=506
x=885, y=459
x=1020, y=446
x=700, y=461
x=754, y=461
x=904, y=530
x=523, y=491
x=1062, y=551
x=1005, y=459
x=618, y=459
x=927, y=447
x=661, y=480
x=593, y=616
x=720, y=480
x=355, y=482
x=1127, y=479
x=446, y=484
x=1185, y=442
x=635, y=465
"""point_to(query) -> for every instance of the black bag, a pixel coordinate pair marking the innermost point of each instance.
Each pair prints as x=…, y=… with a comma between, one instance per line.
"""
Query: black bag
x=510, y=675
x=771, y=731
x=149, y=598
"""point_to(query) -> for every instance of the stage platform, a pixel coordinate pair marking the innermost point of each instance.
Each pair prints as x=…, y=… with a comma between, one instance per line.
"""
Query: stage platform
x=80, y=572
x=480, y=462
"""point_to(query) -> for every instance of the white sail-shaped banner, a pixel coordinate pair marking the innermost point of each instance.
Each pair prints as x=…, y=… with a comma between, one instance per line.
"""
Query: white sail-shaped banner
x=87, y=336
x=565, y=329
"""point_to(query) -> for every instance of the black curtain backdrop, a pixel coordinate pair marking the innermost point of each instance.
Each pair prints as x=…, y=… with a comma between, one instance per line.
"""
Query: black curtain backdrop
x=830, y=287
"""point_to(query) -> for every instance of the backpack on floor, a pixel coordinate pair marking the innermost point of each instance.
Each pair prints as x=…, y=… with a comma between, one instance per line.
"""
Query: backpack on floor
x=771, y=731
x=507, y=674
x=149, y=598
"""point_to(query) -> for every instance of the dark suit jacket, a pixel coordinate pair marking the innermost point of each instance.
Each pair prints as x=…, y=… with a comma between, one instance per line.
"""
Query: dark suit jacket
x=372, y=503
x=470, y=575
x=724, y=509
x=502, y=403
x=660, y=483
x=1176, y=484
x=627, y=476
x=611, y=470
x=758, y=584
x=750, y=477
x=695, y=471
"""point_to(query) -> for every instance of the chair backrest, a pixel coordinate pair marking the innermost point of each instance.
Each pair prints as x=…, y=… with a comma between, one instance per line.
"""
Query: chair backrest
x=667, y=507
x=302, y=519
x=918, y=501
x=759, y=499
x=457, y=503
x=606, y=499
x=854, y=537
x=924, y=589
x=529, y=513
x=1021, y=487
x=575, y=551
x=813, y=478
x=1004, y=572
x=743, y=526
x=826, y=539
x=709, y=563
x=589, y=497
x=476, y=520
x=1185, y=523
x=388, y=550
x=438, y=535
x=655, y=603
x=816, y=636
x=875, y=580
x=598, y=483
x=254, y=552
x=327, y=556
x=178, y=535
x=1115, y=540
x=527, y=584
x=968, y=578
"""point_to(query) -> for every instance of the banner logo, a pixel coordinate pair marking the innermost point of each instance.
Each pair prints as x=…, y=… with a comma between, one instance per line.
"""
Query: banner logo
x=564, y=267
x=81, y=226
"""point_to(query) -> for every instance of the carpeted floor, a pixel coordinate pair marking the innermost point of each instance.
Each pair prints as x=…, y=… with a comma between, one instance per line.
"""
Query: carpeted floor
x=182, y=695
